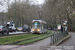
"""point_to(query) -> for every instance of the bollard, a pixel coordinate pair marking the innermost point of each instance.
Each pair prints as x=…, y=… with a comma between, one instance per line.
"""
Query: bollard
x=62, y=34
x=51, y=40
x=55, y=37
x=58, y=36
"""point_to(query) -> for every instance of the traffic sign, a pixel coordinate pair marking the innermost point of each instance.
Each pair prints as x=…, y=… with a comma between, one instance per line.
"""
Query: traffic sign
x=59, y=26
x=65, y=21
x=8, y=22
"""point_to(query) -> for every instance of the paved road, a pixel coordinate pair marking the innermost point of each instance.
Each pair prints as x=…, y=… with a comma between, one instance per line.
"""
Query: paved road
x=38, y=45
x=13, y=33
x=70, y=43
x=67, y=45
x=34, y=46
x=17, y=33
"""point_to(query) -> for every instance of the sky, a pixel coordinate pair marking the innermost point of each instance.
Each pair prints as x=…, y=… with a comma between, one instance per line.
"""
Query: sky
x=3, y=5
x=40, y=1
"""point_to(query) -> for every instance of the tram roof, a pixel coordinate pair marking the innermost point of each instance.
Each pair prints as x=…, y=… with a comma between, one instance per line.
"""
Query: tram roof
x=39, y=21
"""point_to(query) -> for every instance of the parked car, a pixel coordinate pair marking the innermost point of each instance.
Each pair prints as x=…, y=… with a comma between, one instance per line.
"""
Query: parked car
x=12, y=28
x=49, y=28
x=54, y=29
x=19, y=29
x=4, y=30
x=26, y=28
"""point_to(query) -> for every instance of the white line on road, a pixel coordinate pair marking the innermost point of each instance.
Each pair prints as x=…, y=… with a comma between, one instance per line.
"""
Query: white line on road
x=17, y=33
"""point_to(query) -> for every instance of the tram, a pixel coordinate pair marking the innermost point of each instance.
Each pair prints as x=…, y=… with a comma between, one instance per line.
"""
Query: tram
x=39, y=26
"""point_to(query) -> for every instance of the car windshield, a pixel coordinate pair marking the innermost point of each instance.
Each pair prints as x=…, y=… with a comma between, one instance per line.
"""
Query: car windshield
x=1, y=27
x=10, y=26
x=25, y=26
x=19, y=27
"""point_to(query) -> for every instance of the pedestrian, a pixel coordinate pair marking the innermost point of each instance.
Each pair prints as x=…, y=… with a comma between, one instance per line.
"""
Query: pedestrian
x=61, y=28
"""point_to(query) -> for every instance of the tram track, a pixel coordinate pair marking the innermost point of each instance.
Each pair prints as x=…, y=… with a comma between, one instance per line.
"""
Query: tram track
x=19, y=40
x=11, y=35
x=28, y=39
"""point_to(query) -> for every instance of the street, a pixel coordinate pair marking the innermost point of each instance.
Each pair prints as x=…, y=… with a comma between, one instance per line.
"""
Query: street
x=14, y=33
x=33, y=46
x=70, y=42
x=37, y=25
x=39, y=45
x=17, y=33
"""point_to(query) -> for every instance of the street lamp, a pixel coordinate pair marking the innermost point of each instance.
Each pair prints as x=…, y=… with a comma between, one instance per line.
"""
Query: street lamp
x=15, y=12
x=3, y=17
x=68, y=8
x=40, y=14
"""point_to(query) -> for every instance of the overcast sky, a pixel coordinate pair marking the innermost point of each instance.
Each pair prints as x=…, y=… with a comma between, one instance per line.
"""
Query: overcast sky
x=3, y=5
x=40, y=1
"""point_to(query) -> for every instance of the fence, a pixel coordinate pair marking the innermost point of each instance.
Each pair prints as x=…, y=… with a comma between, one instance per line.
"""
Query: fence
x=57, y=36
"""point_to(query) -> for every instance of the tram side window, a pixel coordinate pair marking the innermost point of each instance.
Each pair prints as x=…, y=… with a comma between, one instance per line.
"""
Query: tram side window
x=42, y=26
x=45, y=26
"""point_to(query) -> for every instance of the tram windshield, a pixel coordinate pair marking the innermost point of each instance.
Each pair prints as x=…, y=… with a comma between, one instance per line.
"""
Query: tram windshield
x=36, y=25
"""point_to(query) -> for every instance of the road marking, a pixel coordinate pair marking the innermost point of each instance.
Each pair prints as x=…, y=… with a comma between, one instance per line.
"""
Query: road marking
x=57, y=49
x=14, y=47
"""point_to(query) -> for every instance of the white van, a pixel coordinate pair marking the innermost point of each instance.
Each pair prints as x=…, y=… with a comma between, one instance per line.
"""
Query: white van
x=12, y=28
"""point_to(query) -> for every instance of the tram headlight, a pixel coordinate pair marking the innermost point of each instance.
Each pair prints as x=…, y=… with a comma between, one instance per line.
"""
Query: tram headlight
x=38, y=29
x=33, y=29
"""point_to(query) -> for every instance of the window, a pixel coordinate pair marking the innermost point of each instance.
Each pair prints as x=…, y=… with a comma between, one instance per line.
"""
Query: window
x=36, y=25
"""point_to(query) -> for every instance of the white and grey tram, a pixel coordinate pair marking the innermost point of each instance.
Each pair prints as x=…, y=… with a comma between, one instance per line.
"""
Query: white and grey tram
x=39, y=26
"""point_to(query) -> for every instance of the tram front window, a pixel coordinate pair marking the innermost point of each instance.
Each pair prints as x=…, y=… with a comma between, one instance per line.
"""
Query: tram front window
x=36, y=25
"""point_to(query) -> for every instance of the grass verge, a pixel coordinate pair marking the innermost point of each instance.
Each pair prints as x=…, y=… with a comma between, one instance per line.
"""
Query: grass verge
x=33, y=40
x=20, y=38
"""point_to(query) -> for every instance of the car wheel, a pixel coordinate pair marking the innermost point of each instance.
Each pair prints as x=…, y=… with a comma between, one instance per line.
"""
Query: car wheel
x=11, y=31
x=2, y=33
x=14, y=30
x=7, y=32
x=28, y=31
x=24, y=30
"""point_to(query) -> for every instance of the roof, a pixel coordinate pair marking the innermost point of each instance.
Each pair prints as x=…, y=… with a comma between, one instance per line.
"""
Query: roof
x=39, y=21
